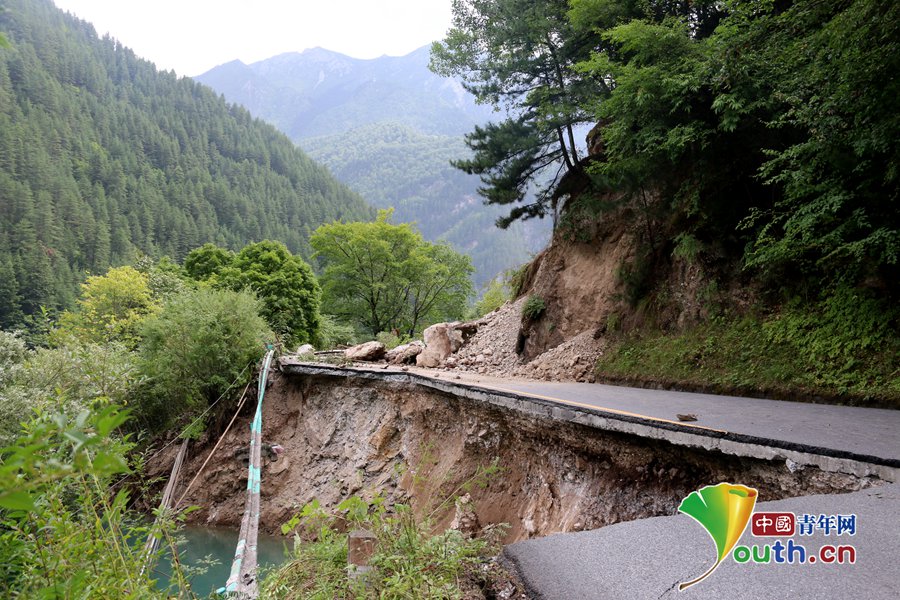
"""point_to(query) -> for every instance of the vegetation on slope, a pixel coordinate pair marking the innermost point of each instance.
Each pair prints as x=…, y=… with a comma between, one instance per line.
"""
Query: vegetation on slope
x=395, y=166
x=102, y=158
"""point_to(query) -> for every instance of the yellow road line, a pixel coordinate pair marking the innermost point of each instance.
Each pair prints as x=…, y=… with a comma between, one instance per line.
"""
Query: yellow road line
x=603, y=408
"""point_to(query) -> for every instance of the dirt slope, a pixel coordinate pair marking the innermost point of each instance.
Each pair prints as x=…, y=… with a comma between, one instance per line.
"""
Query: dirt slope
x=426, y=447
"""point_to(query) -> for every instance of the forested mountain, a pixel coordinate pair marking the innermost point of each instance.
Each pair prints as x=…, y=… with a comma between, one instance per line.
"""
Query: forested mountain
x=388, y=127
x=395, y=165
x=103, y=157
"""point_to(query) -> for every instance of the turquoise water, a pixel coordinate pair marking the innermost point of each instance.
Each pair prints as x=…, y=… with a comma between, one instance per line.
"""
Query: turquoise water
x=217, y=543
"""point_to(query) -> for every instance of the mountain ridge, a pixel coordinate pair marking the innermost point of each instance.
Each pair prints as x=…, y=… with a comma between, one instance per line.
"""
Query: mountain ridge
x=341, y=110
x=103, y=158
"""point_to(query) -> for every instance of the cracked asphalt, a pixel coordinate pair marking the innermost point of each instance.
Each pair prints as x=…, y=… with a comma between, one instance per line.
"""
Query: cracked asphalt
x=647, y=558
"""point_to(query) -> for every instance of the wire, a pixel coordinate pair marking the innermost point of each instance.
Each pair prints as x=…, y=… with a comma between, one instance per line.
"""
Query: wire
x=189, y=425
x=216, y=447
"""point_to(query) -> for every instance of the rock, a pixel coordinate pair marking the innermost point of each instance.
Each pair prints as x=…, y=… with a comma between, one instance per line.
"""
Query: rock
x=687, y=417
x=451, y=362
x=305, y=349
x=367, y=351
x=437, y=345
x=465, y=520
x=488, y=352
x=479, y=360
x=405, y=354
x=456, y=338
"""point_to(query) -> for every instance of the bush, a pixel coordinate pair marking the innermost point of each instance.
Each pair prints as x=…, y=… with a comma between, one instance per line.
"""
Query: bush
x=13, y=401
x=198, y=347
x=409, y=561
x=111, y=309
x=333, y=333
x=65, y=534
x=390, y=340
x=493, y=298
x=533, y=308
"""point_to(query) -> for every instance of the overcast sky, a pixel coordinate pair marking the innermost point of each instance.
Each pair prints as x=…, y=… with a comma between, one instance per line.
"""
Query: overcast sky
x=192, y=36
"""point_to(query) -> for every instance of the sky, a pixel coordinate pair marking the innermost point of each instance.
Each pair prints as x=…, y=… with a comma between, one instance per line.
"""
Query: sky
x=192, y=36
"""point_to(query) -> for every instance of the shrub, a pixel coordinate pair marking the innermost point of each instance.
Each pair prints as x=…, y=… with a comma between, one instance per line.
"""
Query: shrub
x=13, y=400
x=493, y=298
x=409, y=561
x=333, y=333
x=390, y=340
x=533, y=308
x=111, y=309
x=65, y=534
x=198, y=347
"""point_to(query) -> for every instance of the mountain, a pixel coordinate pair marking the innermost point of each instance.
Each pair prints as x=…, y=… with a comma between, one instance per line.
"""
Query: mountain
x=103, y=157
x=388, y=127
x=318, y=92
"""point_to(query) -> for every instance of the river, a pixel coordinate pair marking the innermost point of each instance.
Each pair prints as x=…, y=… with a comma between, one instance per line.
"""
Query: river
x=217, y=543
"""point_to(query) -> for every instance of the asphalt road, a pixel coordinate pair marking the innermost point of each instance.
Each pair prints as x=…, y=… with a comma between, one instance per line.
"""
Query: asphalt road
x=864, y=431
x=646, y=559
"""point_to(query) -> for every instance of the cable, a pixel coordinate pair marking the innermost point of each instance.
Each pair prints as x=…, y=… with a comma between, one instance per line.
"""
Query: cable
x=216, y=447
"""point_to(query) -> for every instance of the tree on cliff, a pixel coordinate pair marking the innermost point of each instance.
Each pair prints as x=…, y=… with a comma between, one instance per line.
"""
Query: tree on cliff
x=382, y=276
x=516, y=55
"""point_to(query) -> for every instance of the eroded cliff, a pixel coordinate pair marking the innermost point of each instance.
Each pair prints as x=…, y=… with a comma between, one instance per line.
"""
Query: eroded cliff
x=424, y=447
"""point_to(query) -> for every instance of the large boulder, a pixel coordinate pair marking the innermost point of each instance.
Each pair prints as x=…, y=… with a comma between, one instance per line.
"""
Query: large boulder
x=368, y=351
x=306, y=349
x=405, y=354
x=438, y=345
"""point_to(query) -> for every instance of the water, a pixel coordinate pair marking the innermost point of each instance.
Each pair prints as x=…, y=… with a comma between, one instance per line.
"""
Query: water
x=219, y=543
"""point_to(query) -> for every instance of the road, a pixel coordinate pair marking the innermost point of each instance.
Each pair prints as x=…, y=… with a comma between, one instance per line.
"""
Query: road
x=863, y=441
x=646, y=559
x=863, y=431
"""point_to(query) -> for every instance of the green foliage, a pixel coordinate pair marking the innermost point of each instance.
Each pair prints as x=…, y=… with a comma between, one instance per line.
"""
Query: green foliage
x=846, y=344
x=495, y=296
x=78, y=375
x=383, y=276
x=515, y=280
x=202, y=263
x=165, y=278
x=14, y=406
x=842, y=338
x=103, y=157
x=285, y=285
x=533, y=308
x=64, y=533
x=334, y=333
x=787, y=107
x=410, y=171
x=200, y=346
x=111, y=308
x=390, y=339
x=409, y=561
x=517, y=55
x=832, y=67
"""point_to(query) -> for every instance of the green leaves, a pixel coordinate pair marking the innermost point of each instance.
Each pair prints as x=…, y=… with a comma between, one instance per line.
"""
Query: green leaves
x=383, y=276
x=16, y=500
x=284, y=283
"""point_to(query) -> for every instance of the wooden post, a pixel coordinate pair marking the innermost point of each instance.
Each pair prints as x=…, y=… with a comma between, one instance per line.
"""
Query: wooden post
x=361, y=546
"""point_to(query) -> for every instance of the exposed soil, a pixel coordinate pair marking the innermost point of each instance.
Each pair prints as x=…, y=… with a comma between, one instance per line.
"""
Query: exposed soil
x=425, y=448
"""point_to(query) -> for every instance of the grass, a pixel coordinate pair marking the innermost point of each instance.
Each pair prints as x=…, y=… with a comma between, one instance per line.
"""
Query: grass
x=409, y=561
x=793, y=355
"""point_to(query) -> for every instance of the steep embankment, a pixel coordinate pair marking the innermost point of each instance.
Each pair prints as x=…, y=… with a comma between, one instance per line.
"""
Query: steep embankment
x=424, y=446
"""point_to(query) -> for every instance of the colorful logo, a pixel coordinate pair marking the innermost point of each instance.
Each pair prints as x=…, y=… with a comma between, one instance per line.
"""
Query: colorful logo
x=724, y=510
